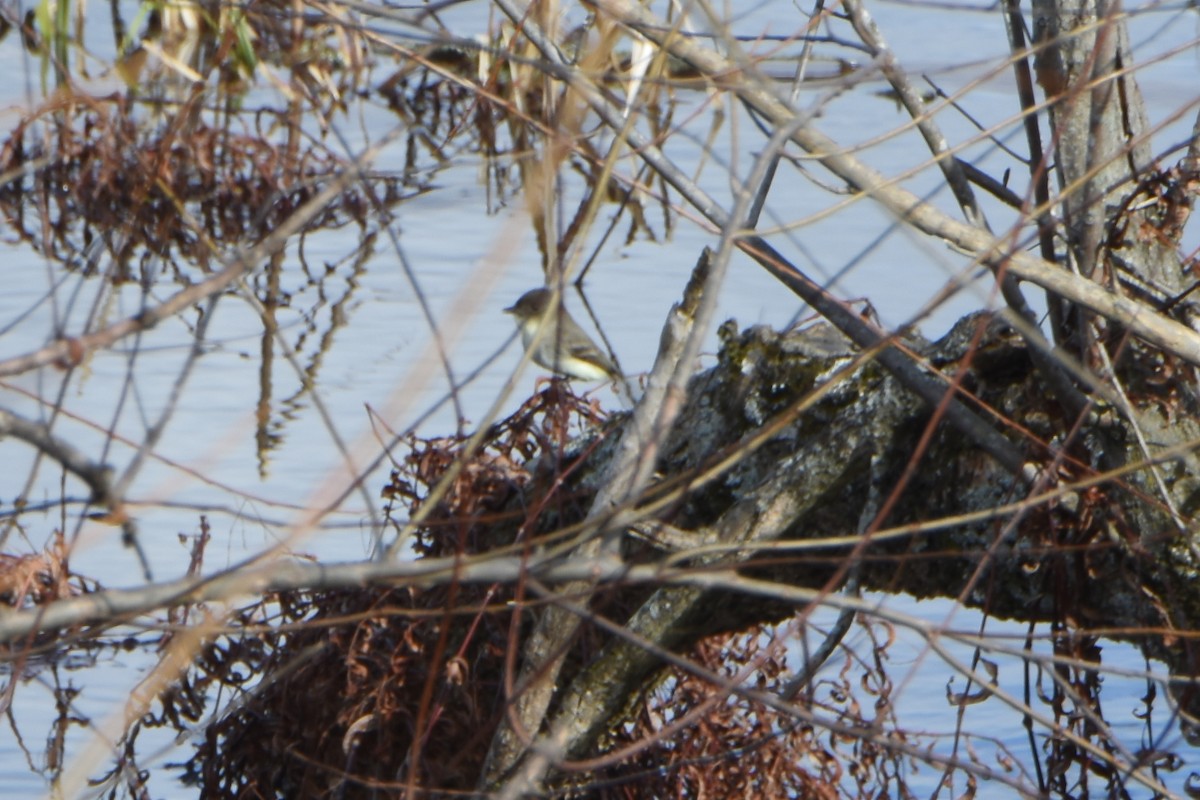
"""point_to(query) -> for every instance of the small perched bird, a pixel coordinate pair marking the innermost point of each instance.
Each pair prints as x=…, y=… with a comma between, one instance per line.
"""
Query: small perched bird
x=564, y=348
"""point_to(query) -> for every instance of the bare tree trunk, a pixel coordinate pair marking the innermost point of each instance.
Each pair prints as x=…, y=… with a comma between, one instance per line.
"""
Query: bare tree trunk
x=1102, y=153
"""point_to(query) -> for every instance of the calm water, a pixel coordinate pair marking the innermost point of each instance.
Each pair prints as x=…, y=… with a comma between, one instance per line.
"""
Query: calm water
x=470, y=263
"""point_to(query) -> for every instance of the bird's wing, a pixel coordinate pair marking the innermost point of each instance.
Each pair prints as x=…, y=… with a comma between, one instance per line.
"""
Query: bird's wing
x=594, y=354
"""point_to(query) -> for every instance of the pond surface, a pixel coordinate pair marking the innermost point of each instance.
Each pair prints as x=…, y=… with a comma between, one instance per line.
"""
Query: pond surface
x=247, y=447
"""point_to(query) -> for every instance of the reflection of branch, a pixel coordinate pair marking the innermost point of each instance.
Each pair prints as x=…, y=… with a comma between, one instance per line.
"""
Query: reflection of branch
x=73, y=350
x=70, y=351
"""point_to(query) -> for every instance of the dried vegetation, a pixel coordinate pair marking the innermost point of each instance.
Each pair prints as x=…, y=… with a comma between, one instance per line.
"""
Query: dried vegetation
x=220, y=147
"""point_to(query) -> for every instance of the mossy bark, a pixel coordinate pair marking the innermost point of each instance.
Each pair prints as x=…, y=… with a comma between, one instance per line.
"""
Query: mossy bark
x=1104, y=555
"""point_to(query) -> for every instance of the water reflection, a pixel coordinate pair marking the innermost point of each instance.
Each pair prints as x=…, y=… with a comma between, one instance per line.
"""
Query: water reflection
x=267, y=402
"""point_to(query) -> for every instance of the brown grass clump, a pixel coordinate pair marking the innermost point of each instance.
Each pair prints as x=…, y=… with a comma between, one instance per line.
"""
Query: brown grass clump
x=171, y=191
x=37, y=578
x=357, y=691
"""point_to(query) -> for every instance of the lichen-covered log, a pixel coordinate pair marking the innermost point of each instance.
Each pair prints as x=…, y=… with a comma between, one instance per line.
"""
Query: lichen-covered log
x=792, y=438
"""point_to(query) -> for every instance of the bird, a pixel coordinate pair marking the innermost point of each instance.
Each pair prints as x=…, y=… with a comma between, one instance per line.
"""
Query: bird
x=564, y=348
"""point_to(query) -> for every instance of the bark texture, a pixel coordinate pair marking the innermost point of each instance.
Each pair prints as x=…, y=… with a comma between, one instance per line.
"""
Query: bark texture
x=1101, y=552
